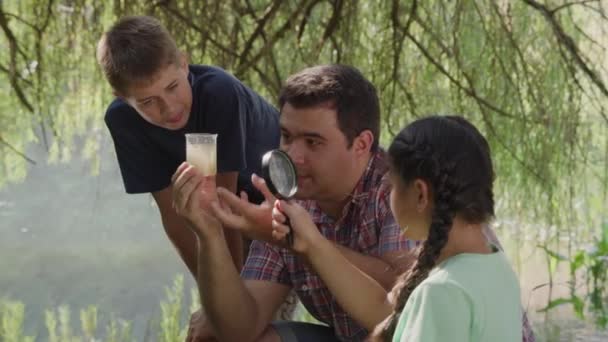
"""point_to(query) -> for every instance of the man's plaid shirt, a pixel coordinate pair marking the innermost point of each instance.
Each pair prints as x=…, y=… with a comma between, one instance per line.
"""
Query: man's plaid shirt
x=366, y=226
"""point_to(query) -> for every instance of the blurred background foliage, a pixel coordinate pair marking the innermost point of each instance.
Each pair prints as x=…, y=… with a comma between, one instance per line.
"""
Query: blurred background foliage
x=531, y=74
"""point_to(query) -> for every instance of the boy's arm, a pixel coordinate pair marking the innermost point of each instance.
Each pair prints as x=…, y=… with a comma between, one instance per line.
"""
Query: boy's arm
x=183, y=239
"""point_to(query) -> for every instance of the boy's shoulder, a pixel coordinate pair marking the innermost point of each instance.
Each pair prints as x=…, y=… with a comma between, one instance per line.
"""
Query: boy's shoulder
x=118, y=109
x=210, y=78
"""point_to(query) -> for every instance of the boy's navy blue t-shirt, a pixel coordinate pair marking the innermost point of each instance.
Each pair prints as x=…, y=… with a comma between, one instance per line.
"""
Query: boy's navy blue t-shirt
x=247, y=127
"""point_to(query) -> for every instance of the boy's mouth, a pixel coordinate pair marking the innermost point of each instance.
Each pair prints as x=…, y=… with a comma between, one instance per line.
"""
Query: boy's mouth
x=175, y=118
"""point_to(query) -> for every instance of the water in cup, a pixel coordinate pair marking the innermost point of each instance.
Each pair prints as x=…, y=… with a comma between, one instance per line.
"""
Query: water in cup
x=201, y=151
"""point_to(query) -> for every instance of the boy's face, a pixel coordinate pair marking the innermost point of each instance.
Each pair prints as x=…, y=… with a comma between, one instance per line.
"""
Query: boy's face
x=166, y=99
x=324, y=162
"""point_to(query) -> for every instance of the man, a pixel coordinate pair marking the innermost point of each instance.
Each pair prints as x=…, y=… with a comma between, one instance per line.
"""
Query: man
x=330, y=121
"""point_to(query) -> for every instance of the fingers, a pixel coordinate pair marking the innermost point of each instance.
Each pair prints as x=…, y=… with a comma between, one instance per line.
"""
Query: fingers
x=179, y=170
x=277, y=214
x=260, y=184
x=278, y=235
x=226, y=217
x=235, y=203
x=184, y=189
x=279, y=229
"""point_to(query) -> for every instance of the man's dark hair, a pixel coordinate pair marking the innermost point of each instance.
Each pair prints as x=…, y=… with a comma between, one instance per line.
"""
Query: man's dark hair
x=344, y=88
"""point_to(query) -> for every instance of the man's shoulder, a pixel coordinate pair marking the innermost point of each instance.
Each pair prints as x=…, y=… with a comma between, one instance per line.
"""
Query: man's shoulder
x=375, y=178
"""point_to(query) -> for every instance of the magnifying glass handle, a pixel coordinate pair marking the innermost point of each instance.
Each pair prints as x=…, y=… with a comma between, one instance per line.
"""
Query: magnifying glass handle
x=289, y=236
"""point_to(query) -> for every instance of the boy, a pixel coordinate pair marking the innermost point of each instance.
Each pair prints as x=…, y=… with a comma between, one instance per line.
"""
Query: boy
x=159, y=98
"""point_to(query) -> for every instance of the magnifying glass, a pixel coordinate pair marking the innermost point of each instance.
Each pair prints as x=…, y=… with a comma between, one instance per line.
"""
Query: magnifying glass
x=280, y=175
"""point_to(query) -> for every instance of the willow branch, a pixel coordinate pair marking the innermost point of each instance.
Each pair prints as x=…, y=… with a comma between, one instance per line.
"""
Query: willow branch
x=191, y=24
x=269, y=44
x=568, y=43
x=19, y=153
x=13, y=50
x=259, y=30
x=568, y=4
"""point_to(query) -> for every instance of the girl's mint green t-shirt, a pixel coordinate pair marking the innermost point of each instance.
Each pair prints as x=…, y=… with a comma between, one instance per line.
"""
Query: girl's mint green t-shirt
x=468, y=297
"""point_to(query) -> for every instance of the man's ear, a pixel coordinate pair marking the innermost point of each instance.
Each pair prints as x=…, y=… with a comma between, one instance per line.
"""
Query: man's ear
x=423, y=195
x=363, y=142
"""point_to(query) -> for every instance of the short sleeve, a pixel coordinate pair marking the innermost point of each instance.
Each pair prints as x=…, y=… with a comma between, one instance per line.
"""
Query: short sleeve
x=265, y=262
x=226, y=114
x=436, y=312
x=146, y=163
x=391, y=236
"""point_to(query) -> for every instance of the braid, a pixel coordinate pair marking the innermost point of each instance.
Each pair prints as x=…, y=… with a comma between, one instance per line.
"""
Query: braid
x=438, y=234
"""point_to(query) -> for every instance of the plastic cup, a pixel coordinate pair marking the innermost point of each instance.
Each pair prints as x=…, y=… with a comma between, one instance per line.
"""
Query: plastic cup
x=201, y=151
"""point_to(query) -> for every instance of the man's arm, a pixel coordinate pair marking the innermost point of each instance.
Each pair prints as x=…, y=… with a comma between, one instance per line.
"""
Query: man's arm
x=237, y=310
x=183, y=239
x=175, y=227
x=234, y=239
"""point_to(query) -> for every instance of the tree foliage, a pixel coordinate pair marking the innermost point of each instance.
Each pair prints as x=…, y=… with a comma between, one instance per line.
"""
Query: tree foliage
x=530, y=73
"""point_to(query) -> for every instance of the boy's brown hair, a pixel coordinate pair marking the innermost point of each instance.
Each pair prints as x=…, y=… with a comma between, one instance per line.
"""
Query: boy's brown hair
x=134, y=50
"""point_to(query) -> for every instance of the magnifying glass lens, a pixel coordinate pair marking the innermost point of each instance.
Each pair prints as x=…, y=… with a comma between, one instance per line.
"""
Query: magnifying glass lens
x=282, y=174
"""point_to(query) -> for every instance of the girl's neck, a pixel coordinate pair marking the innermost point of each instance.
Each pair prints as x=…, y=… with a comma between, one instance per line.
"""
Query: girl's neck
x=464, y=237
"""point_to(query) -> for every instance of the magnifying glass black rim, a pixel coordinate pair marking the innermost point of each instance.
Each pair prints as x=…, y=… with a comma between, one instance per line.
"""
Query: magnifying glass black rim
x=266, y=173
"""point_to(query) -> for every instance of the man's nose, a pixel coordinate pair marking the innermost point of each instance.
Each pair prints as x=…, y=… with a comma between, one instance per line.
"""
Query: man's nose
x=296, y=152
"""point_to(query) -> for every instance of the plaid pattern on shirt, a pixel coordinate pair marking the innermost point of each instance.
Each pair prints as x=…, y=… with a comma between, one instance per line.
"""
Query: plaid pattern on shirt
x=366, y=226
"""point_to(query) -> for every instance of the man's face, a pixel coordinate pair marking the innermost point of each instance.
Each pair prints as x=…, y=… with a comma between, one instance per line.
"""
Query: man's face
x=166, y=99
x=319, y=150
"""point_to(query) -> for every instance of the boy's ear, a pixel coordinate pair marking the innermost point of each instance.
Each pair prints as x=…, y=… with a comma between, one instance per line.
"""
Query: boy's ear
x=183, y=60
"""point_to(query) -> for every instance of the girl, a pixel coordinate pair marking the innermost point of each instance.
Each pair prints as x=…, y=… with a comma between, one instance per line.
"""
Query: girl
x=460, y=288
